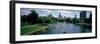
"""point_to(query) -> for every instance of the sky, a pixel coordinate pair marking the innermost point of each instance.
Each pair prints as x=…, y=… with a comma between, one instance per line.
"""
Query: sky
x=54, y=12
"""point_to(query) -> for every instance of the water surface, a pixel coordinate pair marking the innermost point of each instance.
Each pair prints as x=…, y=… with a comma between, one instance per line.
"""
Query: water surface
x=62, y=27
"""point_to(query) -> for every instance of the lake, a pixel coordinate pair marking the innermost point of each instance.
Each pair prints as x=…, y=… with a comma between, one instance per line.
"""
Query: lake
x=64, y=28
x=60, y=28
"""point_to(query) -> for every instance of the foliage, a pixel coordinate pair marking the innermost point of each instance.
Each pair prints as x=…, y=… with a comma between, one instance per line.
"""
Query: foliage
x=30, y=19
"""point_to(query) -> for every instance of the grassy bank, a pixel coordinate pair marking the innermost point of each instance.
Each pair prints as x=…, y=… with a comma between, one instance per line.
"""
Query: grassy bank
x=32, y=28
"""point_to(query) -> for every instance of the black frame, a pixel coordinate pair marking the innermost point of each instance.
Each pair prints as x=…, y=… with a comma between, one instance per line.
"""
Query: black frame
x=12, y=20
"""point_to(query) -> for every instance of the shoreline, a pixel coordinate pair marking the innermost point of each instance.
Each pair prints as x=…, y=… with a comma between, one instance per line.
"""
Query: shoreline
x=83, y=24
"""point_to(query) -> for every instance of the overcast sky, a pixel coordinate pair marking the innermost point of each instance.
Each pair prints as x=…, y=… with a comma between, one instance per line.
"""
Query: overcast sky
x=54, y=12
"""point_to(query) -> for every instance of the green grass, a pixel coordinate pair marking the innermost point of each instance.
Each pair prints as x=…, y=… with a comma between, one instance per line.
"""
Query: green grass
x=30, y=28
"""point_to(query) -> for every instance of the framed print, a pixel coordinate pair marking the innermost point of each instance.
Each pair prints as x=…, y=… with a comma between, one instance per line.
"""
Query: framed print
x=44, y=21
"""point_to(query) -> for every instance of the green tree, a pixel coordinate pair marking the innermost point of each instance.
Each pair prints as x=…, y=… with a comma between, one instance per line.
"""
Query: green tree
x=32, y=17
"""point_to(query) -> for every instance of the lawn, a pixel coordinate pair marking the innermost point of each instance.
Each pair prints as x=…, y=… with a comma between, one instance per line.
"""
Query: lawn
x=32, y=28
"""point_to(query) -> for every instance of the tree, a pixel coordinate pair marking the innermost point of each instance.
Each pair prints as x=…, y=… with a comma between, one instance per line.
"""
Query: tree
x=23, y=20
x=90, y=18
x=32, y=17
x=69, y=20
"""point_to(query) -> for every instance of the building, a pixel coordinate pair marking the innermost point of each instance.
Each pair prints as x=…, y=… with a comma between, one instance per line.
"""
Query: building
x=50, y=15
x=60, y=16
x=82, y=16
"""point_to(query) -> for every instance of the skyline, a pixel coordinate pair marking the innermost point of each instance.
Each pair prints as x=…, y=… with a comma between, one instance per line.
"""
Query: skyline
x=54, y=12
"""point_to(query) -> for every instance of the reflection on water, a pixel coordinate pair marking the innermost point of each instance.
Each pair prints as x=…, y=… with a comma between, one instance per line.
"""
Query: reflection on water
x=61, y=28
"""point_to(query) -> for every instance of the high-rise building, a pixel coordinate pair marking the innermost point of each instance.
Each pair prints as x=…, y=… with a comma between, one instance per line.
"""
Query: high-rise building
x=75, y=16
x=60, y=16
x=50, y=15
x=82, y=16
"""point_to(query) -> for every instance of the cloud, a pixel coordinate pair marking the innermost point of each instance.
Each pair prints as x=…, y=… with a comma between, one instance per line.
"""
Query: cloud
x=25, y=11
x=65, y=12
